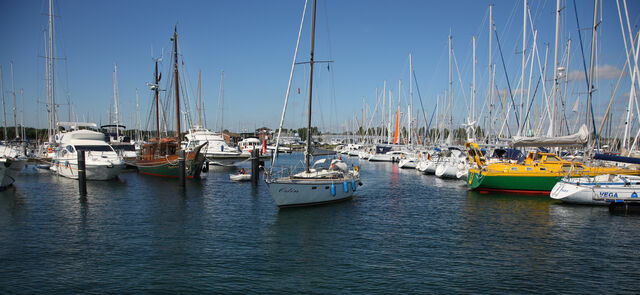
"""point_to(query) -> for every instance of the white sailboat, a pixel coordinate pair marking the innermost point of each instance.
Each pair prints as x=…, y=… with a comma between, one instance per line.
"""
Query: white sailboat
x=324, y=182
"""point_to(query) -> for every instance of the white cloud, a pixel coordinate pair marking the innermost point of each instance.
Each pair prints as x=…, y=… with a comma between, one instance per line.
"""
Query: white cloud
x=605, y=72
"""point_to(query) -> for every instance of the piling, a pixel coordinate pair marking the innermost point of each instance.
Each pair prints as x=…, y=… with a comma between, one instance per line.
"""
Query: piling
x=82, y=174
x=182, y=168
x=255, y=173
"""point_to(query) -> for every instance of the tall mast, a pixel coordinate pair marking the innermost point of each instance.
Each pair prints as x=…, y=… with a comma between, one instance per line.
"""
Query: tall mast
x=3, y=106
x=177, y=81
x=473, y=85
x=410, y=93
x=524, y=50
x=592, y=66
x=199, y=99
x=115, y=99
x=384, y=109
x=15, y=105
x=555, y=71
x=50, y=63
x=313, y=39
x=450, y=86
x=490, y=70
x=222, y=102
x=156, y=94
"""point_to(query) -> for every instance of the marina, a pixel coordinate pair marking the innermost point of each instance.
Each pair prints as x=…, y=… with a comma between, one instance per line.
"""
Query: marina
x=402, y=232
x=324, y=165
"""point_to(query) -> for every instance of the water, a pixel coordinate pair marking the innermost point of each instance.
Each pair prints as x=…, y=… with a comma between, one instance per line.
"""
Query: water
x=403, y=233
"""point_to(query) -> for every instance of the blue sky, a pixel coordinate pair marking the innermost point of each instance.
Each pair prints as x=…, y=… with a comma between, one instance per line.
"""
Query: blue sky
x=253, y=42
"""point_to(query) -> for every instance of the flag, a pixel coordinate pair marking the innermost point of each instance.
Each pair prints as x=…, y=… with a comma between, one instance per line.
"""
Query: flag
x=264, y=147
x=298, y=90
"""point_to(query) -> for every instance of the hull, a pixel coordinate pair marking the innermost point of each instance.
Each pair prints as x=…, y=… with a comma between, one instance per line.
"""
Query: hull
x=169, y=167
x=446, y=170
x=407, y=163
x=431, y=168
x=595, y=193
x=289, y=192
x=512, y=183
x=381, y=158
x=93, y=172
x=240, y=177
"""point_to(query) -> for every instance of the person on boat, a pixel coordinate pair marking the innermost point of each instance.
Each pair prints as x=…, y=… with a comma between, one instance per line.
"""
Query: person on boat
x=242, y=171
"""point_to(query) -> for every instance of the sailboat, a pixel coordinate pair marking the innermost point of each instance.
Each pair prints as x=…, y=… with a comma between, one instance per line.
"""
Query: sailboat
x=323, y=182
x=159, y=157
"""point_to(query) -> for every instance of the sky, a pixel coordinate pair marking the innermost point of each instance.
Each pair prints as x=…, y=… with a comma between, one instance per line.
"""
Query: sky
x=253, y=42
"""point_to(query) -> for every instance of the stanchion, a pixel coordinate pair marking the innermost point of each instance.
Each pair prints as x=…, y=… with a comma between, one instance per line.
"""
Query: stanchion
x=82, y=174
x=255, y=172
x=181, y=167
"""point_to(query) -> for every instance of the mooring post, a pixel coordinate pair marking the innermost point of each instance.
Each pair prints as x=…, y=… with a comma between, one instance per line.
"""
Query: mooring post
x=82, y=174
x=255, y=172
x=181, y=167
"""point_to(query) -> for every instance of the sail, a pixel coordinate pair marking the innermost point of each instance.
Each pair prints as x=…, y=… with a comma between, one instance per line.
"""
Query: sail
x=578, y=139
x=395, y=136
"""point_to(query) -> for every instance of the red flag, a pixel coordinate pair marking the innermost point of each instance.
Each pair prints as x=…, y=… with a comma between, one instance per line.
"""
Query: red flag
x=298, y=90
x=264, y=147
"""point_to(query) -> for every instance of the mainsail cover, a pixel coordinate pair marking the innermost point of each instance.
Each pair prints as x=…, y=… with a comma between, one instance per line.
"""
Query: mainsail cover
x=578, y=139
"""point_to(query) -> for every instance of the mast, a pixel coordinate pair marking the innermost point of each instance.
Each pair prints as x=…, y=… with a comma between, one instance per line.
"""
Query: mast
x=15, y=105
x=592, y=68
x=156, y=94
x=50, y=70
x=524, y=50
x=473, y=85
x=450, y=87
x=410, y=92
x=313, y=39
x=115, y=99
x=222, y=102
x=177, y=81
x=3, y=106
x=555, y=71
x=490, y=71
x=384, y=109
x=199, y=99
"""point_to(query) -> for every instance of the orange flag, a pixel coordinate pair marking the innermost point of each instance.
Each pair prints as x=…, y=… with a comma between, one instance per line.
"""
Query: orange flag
x=395, y=136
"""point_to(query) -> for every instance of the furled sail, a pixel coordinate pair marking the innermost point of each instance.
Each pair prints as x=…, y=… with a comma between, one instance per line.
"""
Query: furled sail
x=578, y=139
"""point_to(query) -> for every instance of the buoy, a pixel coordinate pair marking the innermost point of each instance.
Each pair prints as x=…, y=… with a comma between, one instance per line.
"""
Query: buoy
x=346, y=187
x=333, y=189
x=353, y=185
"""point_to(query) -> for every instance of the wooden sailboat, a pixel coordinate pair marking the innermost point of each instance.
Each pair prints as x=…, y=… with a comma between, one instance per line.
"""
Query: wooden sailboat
x=159, y=157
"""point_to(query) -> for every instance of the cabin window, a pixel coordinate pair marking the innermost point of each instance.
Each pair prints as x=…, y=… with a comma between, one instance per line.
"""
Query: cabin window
x=514, y=168
x=70, y=149
x=543, y=169
x=94, y=148
x=529, y=169
x=314, y=187
x=552, y=159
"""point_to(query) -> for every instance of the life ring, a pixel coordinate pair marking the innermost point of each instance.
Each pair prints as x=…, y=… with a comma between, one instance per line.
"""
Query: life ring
x=356, y=168
x=50, y=150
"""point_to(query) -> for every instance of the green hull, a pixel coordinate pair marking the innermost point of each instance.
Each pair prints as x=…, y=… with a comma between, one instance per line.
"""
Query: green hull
x=532, y=184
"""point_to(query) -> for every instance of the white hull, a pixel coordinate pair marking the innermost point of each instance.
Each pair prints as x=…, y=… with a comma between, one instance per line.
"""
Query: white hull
x=93, y=172
x=407, y=163
x=431, y=167
x=240, y=177
x=594, y=193
x=445, y=170
x=289, y=192
x=382, y=158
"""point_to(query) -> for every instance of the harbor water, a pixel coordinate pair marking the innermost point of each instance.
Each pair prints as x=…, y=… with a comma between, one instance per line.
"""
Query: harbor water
x=404, y=233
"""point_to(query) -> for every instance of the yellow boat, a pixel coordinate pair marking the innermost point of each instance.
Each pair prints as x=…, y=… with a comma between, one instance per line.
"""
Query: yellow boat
x=536, y=175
